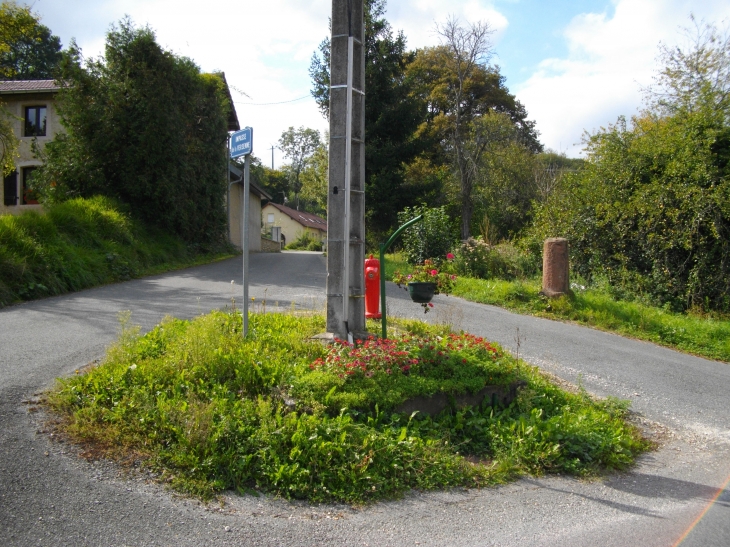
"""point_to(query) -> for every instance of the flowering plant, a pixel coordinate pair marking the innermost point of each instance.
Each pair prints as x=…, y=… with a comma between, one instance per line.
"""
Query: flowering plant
x=427, y=273
x=405, y=354
x=388, y=371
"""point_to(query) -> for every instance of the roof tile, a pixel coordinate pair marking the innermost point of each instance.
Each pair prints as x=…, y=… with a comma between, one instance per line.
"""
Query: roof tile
x=28, y=85
x=302, y=217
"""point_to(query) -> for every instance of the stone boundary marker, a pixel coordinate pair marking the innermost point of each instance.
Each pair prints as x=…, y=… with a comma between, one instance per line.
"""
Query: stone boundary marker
x=555, y=268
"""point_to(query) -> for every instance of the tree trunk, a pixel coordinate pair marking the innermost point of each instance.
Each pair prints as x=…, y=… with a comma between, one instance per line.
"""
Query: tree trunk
x=467, y=209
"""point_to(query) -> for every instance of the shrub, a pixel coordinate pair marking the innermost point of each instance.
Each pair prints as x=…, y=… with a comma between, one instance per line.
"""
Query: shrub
x=171, y=120
x=478, y=259
x=305, y=242
x=430, y=238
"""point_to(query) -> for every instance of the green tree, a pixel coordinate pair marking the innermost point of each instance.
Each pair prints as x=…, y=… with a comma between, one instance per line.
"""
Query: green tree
x=693, y=77
x=273, y=181
x=146, y=127
x=298, y=146
x=457, y=87
x=504, y=188
x=392, y=115
x=314, y=181
x=28, y=50
x=548, y=170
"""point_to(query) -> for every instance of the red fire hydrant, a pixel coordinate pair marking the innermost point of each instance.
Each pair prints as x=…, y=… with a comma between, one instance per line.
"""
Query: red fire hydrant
x=372, y=288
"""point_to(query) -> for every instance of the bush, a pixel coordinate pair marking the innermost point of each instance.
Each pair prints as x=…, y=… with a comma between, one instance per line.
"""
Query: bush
x=478, y=259
x=305, y=242
x=430, y=238
x=650, y=211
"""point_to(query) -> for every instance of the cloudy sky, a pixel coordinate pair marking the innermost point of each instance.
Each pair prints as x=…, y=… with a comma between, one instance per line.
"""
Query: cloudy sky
x=575, y=64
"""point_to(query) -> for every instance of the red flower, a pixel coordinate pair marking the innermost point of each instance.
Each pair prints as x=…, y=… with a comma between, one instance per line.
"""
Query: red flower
x=434, y=272
x=450, y=256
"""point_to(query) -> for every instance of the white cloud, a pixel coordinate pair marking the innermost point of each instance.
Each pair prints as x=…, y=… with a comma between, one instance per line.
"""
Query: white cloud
x=610, y=60
x=418, y=18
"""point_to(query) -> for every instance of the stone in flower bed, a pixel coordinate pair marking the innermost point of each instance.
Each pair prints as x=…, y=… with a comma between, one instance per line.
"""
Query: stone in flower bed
x=487, y=396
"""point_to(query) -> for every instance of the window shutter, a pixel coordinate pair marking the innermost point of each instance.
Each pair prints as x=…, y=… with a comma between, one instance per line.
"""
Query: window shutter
x=11, y=189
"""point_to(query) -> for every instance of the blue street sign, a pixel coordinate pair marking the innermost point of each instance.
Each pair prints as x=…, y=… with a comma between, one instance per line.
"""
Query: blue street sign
x=242, y=142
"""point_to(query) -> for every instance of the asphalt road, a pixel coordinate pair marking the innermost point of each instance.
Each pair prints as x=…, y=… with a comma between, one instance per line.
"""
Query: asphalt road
x=50, y=496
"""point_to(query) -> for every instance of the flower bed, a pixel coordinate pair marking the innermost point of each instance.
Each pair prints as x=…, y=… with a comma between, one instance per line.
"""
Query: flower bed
x=389, y=372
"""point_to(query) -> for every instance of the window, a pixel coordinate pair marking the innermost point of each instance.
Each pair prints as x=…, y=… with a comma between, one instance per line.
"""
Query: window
x=29, y=196
x=35, y=121
x=10, y=189
x=270, y=218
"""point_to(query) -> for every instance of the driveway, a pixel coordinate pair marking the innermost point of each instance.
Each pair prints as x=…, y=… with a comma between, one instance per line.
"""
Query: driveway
x=50, y=496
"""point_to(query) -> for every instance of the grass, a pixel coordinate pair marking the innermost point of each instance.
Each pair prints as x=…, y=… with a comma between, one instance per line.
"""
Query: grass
x=206, y=410
x=705, y=336
x=82, y=243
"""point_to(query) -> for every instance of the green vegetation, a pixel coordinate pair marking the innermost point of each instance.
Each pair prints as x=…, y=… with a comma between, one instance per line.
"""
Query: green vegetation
x=431, y=237
x=277, y=412
x=8, y=142
x=707, y=335
x=305, y=242
x=144, y=127
x=28, y=50
x=650, y=211
x=81, y=243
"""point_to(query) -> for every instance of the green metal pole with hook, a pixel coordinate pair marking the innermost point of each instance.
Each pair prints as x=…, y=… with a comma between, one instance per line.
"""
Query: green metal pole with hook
x=384, y=247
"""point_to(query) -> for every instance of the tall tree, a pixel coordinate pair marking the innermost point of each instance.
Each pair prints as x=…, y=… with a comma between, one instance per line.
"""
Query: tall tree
x=457, y=87
x=146, y=127
x=695, y=76
x=392, y=115
x=503, y=187
x=314, y=181
x=28, y=50
x=298, y=146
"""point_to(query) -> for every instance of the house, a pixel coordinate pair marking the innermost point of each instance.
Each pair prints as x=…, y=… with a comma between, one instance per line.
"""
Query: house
x=32, y=105
x=292, y=223
x=235, y=208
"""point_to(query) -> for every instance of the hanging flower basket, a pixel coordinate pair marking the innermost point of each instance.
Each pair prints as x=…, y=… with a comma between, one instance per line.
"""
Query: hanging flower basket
x=425, y=281
x=421, y=292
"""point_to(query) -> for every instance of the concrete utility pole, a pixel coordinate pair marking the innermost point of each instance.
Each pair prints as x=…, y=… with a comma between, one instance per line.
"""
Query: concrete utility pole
x=346, y=197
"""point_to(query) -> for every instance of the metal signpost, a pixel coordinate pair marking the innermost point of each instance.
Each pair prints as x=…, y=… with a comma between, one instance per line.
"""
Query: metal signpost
x=242, y=145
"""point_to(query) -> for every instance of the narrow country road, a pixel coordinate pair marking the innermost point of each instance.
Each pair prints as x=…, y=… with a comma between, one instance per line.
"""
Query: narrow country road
x=50, y=496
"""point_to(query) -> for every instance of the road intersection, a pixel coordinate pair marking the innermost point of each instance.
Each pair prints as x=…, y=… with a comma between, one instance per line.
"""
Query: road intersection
x=50, y=496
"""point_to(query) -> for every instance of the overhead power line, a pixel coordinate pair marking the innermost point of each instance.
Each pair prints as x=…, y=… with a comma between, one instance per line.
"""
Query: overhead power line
x=280, y=102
